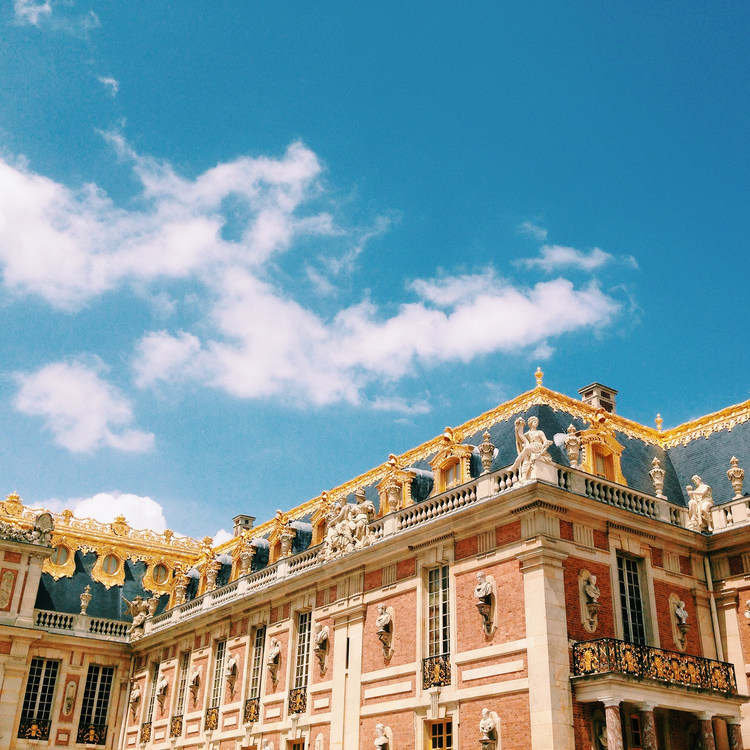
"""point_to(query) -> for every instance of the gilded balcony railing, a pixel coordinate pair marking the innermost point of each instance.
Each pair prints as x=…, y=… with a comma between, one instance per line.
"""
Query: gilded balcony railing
x=297, y=700
x=436, y=670
x=92, y=734
x=609, y=655
x=252, y=710
x=212, y=719
x=175, y=726
x=145, y=733
x=34, y=729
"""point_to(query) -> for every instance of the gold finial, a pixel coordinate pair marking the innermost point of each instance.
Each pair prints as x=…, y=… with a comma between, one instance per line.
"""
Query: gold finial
x=538, y=375
x=659, y=422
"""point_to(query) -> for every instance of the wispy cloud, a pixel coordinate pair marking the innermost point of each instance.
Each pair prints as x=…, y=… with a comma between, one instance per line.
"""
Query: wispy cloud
x=257, y=339
x=555, y=257
x=109, y=83
x=80, y=409
x=55, y=16
x=532, y=230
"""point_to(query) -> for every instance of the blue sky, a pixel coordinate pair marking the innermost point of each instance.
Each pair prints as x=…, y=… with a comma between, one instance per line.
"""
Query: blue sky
x=250, y=249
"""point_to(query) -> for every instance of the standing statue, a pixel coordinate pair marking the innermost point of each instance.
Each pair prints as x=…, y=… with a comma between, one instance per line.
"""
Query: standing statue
x=531, y=446
x=161, y=691
x=135, y=698
x=573, y=446
x=484, y=592
x=273, y=659
x=320, y=645
x=699, y=506
x=361, y=516
x=138, y=609
x=384, y=630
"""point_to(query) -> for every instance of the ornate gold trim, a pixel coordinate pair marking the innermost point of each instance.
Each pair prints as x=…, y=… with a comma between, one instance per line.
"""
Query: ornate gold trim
x=725, y=419
x=108, y=579
x=151, y=585
x=65, y=570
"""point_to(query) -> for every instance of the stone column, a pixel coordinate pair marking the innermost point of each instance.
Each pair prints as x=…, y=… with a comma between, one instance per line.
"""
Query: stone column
x=707, y=732
x=614, y=724
x=550, y=703
x=734, y=730
x=648, y=726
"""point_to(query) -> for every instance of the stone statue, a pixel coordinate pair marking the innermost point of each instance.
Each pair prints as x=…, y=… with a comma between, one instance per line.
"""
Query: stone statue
x=348, y=527
x=484, y=592
x=736, y=476
x=531, y=446
x=362, y=515
x=657, y=475
x=152, y=604
x=680, y=613
x=138, y=609
x=135, y=698
x=230, y=672
x=573, y=446
x=161, y=691
x=273, y=659
x=699, y=506
x=320, y=645
x=381, y=738
x=747, y=609
x=85, y=599
x=487, y=730
x=591, y=594
x=486, y=452
x=384, y=631
x=195, y=684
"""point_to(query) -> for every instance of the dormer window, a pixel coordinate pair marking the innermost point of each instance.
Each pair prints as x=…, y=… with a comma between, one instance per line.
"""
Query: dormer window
x=452, y=475
x=603, y=464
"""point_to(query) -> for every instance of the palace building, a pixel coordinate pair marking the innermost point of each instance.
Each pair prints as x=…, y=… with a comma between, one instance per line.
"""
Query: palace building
x=548, y=575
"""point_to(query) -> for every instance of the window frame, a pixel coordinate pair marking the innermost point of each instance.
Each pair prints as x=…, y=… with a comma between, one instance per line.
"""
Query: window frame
x=39, y=694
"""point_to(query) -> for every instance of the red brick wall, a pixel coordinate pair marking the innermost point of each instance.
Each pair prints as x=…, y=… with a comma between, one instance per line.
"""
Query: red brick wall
x=404, y=632
x=606, y=623
x=511, y=532
x=566, y=530
x=510, y=622
x=465, y=548
x=582, y=724
x=657, y=557
x=685, y=567
x=373, y=579
x=735, y=565
x=601, y=540
x=662, y=590
x=406, y=568
x=401, y=724
x=513, y=714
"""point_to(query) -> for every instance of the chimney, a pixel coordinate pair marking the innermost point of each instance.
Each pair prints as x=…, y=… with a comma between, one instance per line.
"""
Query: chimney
x=599, y=396
x=242, y=523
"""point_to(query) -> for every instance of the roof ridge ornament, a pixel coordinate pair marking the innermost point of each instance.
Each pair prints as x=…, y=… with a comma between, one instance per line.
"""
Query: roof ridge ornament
x=539, y=375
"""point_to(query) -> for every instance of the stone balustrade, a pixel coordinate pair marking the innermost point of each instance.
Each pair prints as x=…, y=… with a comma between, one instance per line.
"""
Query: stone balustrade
x=82, y=625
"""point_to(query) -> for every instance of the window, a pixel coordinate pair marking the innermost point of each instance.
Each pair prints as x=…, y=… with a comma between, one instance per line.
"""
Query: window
x=603, y=465
x=438, y=617
x=295, y=745
x=182, y=682
x=221, y=650
x=303, y=650
x=160, y=574
x=635, y=732
x=256, y=669
x=441, y=735
x=631, y=603
x=60, y=555
x=110, y=565
x=92, y=728
x=452, y=475
x=152, y=693
x=37, y=702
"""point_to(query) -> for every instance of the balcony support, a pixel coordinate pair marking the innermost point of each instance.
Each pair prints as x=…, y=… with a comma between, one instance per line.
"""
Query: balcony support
x=648, y=726
x=707, y=732
x=734, y=730
x=614, y=723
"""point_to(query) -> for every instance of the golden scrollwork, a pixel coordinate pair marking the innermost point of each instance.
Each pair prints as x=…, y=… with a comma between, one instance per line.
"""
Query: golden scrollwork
x=63, y=553
x=104, y=570
x=150, y=582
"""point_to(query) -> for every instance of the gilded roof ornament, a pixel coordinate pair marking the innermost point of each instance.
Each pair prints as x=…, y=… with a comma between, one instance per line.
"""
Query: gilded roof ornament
x=659, y=422
x=13, y=504
x=539, y=375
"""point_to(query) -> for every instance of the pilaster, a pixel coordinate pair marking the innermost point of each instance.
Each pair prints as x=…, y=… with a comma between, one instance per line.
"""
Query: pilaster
x=547, y=651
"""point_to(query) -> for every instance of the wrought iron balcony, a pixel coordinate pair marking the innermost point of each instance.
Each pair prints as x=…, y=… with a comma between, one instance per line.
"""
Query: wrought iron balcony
x=145, y=732
x=212, y=719
x=34, y=729
x=175, y=726
x=252, y=710
x=436, y=670
x=298, y=700
x=608, y=656
x=92, y=734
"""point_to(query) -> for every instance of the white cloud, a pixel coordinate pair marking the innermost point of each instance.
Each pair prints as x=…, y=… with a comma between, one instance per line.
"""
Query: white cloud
x=41, y=15
x=140, y=512
x=257, y=339
x=555, y=257
x=82, y=411
x=69, y=246
x=221, y=536
x=112, y=85
x=532, y=230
